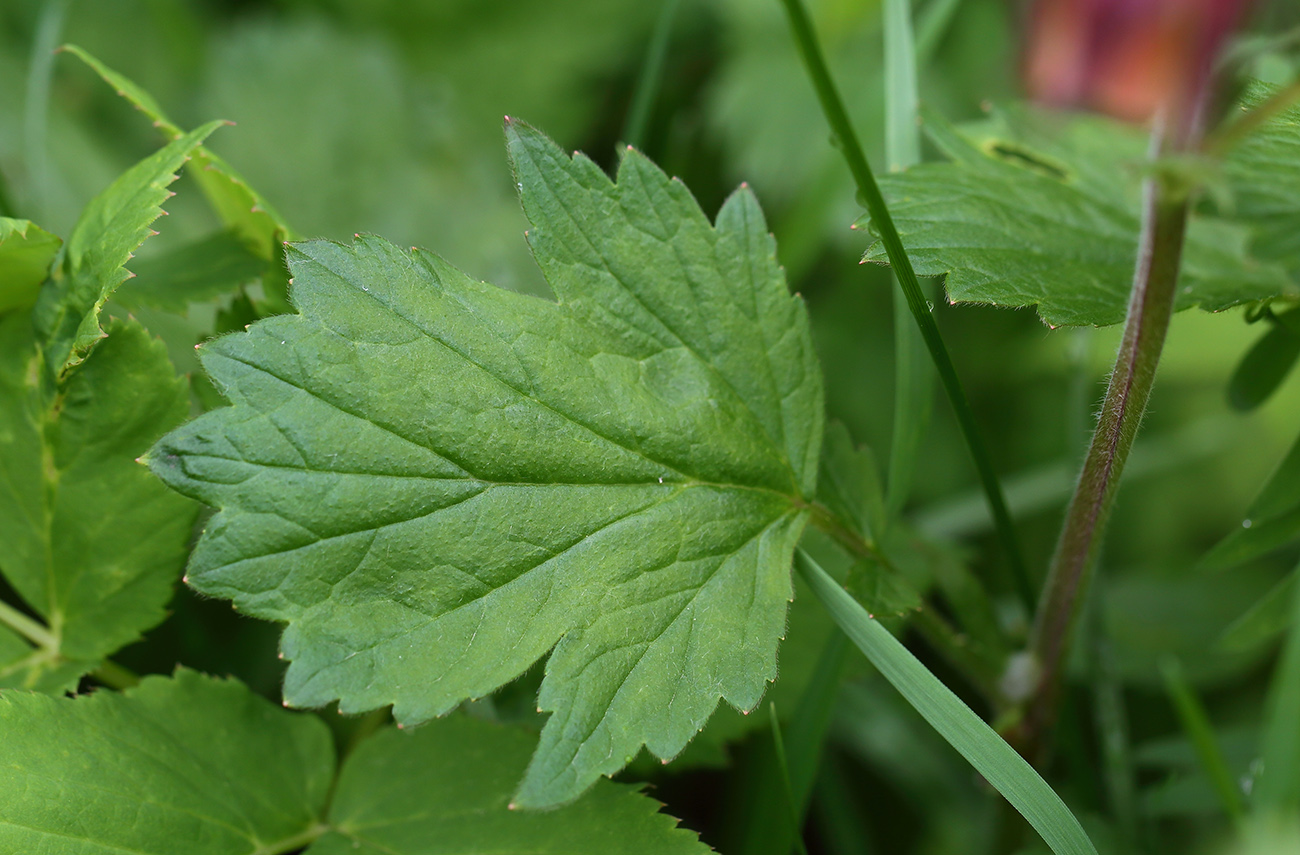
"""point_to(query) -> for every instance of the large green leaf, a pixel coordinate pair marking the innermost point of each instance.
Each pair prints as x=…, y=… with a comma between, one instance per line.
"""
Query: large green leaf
x=435, y=481
x=451, y=781
x=92, y=543
x=187, y=764
x=112, y=226
x=1030, y=213
x=26, y=253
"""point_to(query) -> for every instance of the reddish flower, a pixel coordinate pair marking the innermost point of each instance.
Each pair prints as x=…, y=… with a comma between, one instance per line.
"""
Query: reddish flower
x=1128, y=58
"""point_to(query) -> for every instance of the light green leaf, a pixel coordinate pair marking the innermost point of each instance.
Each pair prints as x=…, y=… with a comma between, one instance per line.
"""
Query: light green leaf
x=1273, y=520
x=184, y=764
x=849, y=483
x=26, y=253
x=1026, y=213
x=451, y=781
x=435, y=481
x=112, y=226
x=196, y=272
x=241, y=208
x=92, y=543
x=1004, y=769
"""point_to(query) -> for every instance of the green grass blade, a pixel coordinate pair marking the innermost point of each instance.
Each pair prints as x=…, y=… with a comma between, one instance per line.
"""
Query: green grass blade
x=913, y=377
x=40, y=72
x=1200, y=732
x=1279, y=786
x=1000, y=765
x=836, y=115
x=768, y=827
x=932, y=24
x=783, y=767
x=647, y=84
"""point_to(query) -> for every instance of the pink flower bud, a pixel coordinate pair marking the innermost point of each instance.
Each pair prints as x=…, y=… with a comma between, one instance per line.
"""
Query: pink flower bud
x=1128, y=58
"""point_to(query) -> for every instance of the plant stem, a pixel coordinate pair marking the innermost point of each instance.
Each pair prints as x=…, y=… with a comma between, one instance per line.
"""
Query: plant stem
x=847, y=141
x=783, y=767
x=1164, y=223
x=115, y=676
x=30, y=629
x=647, y=84
x=292, y=843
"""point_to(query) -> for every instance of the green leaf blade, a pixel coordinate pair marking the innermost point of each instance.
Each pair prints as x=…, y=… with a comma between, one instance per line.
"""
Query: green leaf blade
x=451, y=781
x=26, y=253
x=993, y=758
x=188, y=758
x=1023, y=216
x=435, y=481
x=92, y=543
x=113, y=225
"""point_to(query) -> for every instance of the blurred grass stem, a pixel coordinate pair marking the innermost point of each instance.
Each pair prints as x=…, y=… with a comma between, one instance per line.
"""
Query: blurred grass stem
x=849, y=146
x=647, y=84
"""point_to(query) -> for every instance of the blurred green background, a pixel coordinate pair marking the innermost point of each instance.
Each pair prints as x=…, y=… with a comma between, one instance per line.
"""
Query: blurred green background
x=385, y=116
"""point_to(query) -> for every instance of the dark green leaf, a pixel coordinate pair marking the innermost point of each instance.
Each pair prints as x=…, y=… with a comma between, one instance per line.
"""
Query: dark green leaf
x=1031, y=214
x=450, y=781
x=425, y=475
x=188, y=764
x=1265, y=366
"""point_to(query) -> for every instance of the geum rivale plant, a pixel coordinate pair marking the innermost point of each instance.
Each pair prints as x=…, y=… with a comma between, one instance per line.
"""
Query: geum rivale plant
x=435, y=483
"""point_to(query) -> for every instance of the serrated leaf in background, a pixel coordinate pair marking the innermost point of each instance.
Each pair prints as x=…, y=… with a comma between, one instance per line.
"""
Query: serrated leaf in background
x=1026, y=216
x=26, y=253
x=201, y=271
x=435, y=480
x=244, y=211
x=113, y=225
x=92, y=543
x=451, y=781
x=183, y=764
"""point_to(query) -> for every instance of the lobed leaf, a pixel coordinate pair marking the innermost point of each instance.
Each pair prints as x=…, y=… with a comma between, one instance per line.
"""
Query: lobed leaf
x=204, y=761
x=112, y=226
x=92, y=542
x=26, y=253
x=435, y=481
x=450, y=781
x=189, y=763
x=1026, y=216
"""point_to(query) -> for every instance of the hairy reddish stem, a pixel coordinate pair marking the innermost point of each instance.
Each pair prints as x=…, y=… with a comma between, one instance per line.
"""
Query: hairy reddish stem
x=1155, y=280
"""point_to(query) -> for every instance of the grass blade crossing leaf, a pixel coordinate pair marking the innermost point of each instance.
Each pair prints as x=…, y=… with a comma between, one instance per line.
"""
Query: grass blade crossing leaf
x=1273, y=520
x=426, y=475
x=111, y=228
x=998, y=762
